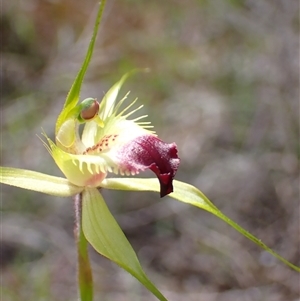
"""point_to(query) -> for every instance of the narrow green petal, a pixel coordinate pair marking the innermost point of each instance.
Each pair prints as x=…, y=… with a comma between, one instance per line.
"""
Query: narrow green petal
x=108, y=102
x=37, y=181
x=187, y=194
x=104, y=234
x=73, y=95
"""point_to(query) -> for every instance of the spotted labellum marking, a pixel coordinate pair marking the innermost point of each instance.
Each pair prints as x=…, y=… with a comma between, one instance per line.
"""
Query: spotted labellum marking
x=104, y=144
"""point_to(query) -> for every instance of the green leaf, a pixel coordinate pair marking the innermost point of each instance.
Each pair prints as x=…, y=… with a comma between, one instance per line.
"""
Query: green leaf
x=187, y=194
x=104, y=234
x=37, y=181
x=73, y=95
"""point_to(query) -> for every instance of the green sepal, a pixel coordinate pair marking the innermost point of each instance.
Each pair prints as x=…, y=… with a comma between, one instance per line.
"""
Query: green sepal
x=37, y=181
x=73, y=95
x=191, y=195
x=108, y=102
x=105, y=235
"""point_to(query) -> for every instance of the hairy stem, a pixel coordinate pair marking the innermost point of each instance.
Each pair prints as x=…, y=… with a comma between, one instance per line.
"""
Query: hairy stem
x=85, y=277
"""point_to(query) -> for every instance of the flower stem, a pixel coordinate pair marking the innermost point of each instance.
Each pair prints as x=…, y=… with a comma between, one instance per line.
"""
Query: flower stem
x=85, y=277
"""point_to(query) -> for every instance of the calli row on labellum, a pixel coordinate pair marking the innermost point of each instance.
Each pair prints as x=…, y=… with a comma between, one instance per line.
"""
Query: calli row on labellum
x=110, y=143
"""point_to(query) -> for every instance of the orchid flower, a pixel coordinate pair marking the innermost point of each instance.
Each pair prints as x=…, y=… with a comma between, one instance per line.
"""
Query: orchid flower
x=112, y=142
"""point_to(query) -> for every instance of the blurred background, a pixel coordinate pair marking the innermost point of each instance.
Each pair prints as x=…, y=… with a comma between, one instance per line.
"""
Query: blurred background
x=224, y=85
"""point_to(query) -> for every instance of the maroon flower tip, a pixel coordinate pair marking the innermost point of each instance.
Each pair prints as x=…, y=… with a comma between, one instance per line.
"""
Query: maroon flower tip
x=148, y=151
